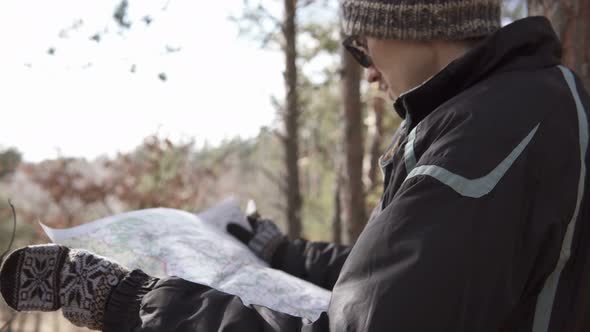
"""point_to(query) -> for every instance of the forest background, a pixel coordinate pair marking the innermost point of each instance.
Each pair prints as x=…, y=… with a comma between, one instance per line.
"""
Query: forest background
x=314, y=169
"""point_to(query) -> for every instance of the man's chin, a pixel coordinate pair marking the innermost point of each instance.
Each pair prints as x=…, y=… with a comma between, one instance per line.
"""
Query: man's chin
x=392, y=95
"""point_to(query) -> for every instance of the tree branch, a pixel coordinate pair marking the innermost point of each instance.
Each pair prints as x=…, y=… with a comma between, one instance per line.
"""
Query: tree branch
x=305, y=3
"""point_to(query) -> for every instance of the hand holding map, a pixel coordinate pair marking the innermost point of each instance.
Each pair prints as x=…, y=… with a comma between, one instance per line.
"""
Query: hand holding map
x=167, y=242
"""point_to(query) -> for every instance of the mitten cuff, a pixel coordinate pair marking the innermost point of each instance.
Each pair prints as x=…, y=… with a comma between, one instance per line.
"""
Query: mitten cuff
x=122, y=312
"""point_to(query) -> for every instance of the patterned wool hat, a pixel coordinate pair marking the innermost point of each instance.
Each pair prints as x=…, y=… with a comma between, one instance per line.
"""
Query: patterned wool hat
x=421, y=19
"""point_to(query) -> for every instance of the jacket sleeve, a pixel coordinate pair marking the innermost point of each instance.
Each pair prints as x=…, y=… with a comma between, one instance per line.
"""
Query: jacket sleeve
x=465, y=244
x=174, y=304
x=317, y=262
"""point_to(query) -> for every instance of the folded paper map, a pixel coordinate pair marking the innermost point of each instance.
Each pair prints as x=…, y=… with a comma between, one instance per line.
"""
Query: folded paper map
x=167, y=242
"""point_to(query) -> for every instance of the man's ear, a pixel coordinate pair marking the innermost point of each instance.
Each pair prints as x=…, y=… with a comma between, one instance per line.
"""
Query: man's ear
x=373, y=75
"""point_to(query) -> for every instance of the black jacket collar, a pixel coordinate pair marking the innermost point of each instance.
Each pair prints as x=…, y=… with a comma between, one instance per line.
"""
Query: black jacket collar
x=529, y=43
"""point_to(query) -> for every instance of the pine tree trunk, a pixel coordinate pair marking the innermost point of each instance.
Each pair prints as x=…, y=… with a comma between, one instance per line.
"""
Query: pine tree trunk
x=353, y=203
x=337, y=214
x=378, y=105
x=571, y=21
x=291, y=120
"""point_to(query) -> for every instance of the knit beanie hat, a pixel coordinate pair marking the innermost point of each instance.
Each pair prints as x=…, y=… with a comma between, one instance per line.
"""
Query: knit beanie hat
x=421, y=19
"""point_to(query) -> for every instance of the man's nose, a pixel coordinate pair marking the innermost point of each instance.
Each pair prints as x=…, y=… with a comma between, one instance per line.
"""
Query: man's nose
x=373, y=75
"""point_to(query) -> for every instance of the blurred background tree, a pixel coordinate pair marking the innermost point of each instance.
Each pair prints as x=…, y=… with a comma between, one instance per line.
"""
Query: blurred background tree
x=571, y=21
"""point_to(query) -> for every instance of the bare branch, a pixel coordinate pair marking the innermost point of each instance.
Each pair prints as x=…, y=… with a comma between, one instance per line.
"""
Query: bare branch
x=13, y=232
x=279, y=206
x=165, y=7
x=268, y=15
x=280, y=136
x=268, y=38
x=305, y=3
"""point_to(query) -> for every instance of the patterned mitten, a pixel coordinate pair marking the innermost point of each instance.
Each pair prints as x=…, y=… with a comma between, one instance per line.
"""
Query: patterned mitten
x=264, y=241
x=50, y=277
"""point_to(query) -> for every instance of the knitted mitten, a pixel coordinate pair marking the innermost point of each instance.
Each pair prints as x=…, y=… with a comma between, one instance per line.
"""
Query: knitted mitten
x=50, y=277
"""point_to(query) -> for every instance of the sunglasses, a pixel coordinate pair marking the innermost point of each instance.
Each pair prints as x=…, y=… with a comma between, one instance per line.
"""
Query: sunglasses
x=358, y=50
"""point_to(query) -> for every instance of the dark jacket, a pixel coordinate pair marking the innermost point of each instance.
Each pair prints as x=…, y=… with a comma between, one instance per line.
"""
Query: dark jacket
x=484, y=223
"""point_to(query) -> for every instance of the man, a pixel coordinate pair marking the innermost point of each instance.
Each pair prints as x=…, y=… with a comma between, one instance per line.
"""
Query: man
x=484, y=220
